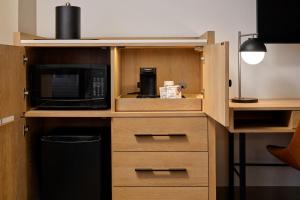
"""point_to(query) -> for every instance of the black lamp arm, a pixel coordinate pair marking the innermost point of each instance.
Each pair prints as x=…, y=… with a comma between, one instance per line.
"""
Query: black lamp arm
x=249, y=34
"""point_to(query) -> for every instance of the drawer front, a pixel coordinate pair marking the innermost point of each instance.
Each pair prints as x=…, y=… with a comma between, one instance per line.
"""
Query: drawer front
x=160, y=193
x=160, y=168
x=159, y=134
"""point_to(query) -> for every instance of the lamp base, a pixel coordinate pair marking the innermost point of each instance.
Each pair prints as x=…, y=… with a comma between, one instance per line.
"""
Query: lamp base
x=244, y=100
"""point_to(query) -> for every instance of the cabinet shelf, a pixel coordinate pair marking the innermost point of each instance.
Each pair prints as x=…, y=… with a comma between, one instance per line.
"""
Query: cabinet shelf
x=130, y=42
x=27, y=40
x=262, y=121
x=108, y=113
x=68, y=113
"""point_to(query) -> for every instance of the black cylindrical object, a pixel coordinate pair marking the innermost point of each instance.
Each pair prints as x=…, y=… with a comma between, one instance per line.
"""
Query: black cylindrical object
x=68, y=22
x=72, y=168
x=147, y=83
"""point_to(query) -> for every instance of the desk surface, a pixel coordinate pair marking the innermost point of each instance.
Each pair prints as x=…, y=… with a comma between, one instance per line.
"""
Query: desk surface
x=268, y=104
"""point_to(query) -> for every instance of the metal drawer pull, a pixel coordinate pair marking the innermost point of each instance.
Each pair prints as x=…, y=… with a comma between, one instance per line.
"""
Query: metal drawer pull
x=160, y=170
x=161, y=135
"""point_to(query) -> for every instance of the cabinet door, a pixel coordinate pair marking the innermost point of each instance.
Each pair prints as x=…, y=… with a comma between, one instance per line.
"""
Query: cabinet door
x=12, y=81
x=216, y=82
x=12, y=106
x=13, y=168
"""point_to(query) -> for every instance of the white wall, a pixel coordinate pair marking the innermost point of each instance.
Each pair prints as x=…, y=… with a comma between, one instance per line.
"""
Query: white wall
x=276, y=77
x=27, y=16
x=8, y=20
x=16, y=16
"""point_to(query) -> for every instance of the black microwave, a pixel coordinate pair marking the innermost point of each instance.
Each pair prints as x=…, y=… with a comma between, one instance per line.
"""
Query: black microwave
x=69, y=86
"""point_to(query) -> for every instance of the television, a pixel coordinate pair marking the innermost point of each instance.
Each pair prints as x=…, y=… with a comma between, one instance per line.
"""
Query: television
x=278, y=21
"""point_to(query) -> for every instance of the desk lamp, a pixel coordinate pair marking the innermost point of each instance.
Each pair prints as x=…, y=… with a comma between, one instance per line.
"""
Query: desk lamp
x=252, y=52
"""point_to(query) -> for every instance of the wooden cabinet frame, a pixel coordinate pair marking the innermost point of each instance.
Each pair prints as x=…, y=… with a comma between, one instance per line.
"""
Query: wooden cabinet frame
x=211, y=61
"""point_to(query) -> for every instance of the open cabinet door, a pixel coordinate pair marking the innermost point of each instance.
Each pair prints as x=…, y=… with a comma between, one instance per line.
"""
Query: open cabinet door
x=12, y=141
x=216, y=82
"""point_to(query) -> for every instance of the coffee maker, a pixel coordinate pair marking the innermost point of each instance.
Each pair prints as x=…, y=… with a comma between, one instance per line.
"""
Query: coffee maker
x=147, y=83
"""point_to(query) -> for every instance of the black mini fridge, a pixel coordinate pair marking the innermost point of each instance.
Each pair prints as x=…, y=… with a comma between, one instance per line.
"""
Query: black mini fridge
x=71, y=167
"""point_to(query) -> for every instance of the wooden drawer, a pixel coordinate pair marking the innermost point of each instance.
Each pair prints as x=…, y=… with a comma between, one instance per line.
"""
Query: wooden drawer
x=160, y=168
x=159, y=134
x=160, y=193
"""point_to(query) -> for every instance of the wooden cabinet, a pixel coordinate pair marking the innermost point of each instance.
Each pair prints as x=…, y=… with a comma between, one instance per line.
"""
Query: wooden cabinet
x=205, y=73
x=150, y=154
x=161, y=148
x=12, y=106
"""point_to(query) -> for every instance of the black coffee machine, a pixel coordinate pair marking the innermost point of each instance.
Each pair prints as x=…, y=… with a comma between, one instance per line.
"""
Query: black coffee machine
x=147, y=83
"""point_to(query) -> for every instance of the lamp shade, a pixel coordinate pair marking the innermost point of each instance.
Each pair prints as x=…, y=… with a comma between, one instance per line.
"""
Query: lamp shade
x=253, y=51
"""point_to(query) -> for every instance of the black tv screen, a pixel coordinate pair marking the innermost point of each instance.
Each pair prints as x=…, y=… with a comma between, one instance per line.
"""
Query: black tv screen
x=278, y=21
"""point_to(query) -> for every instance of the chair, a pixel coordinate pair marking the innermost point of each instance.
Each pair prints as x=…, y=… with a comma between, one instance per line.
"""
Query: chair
x=290, y=154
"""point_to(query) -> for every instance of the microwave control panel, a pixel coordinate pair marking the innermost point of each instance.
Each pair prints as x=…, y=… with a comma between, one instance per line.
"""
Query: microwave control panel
x=98, y=87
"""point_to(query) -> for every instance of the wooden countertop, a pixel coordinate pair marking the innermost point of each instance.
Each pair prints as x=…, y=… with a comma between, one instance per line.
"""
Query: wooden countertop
x=27, y=40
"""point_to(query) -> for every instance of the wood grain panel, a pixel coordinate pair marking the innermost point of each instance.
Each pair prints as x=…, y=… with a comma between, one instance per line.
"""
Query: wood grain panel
x=216, y=82
x=13, y=177
x=8, y=165
x=171, y=64
x=124, y=130
x=12, y=81
x=157, y=104
x=175, y=42
x=24, y=186
x=160, y=193
x=212, y=161
x=124, y=165
x=115, y=75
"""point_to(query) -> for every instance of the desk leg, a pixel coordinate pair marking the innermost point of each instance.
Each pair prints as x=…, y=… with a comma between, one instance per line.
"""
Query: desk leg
x=242, y=148
x=231, y=166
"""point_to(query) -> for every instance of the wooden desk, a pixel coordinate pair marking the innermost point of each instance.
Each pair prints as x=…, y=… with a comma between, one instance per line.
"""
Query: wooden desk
x=266, y=116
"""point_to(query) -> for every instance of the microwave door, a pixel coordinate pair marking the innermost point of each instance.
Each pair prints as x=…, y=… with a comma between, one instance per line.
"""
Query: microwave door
x=66, y=86
x=61, y=85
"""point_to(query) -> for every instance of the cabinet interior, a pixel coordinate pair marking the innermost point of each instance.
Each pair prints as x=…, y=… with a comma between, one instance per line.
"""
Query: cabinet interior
x=68, y=55
x=37, y=127
x=65, y=55
x=270, y=118
x=181, y=65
